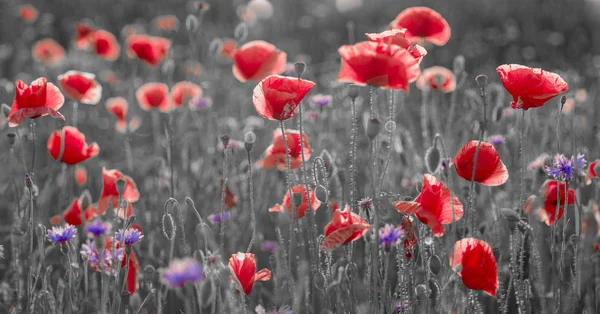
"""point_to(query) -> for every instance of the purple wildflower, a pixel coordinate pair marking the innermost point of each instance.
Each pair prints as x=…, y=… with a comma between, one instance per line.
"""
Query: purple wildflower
x=200, y=103
x=132, y=236
x=564, y=168
x=365, y=203
x=269, y=246
x=62, y=234
x=496, y=139
x=313, y=115
x=401, y=306
x=216, y=218
x=388, y=235
x=89, y=252
x=181, y=271
x=321, y=100
x=97, y=228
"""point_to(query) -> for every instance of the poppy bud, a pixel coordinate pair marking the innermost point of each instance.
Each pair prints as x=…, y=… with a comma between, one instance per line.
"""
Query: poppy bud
x=319, y=281
x=299, y=67
x=149, y=271
x=458, y=66
x=191, y=23
x=225, y=140
x=5, y=110
x=85, y=200
x=328, y=162
x=373, y=127
x=249, y=139
x=130, y=220
x=497, y=113
x=189, y=202
x=482, y=81
x=435, y=289
x=435, y=264
x=28, y=181
x=563, y=100
x=511, y=217
x=353, y=91
x=321, y=193
x=168, y=227
x=432, y=159
x=11, y=138
x=121, y=186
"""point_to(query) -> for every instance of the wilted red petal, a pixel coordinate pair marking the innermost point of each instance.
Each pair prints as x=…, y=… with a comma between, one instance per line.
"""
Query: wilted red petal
x=153, y=95
x=73, y=146
x=132, y=273
x=81, y=86
x=256, y=60
x=478, y=265
x=530, y=87
x=410, y=239
x=490, y=170
x=423, y=23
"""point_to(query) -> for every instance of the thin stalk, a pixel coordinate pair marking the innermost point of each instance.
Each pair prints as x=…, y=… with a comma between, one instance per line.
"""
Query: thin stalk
x=75, y=107
x=353, y=157
x=223, y=189
x=424, y=120
x=289, y=187
x=522, y=164
x=251, y=197
x=118, y=302
x=32, y=135
x=70, y=280
x=156, y=131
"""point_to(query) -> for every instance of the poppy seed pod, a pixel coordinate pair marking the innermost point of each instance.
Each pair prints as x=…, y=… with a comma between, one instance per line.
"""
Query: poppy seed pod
x=458, y=66
x=297, y=199
x=563, y=100
x=189, y=202
x=28, y=181
x=249, y=139
x=373, y=128
x=168, y=227
x=432, y=159
x=85, y=199
x=435, y=264
x=225, y=140
x=482, y=81
x=299, y=67
x=120, y=184
x=11, y=138
x=353, y=91
x=497, y=113
x=321, y=193
x=130, y=221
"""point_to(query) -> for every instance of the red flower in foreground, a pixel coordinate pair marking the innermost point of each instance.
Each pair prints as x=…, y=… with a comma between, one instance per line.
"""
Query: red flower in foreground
x=149, y=49
x=378, y=64
x=184, y=92
x=73, y=146
x=287, y=204
x=256, y=60
x=105, y=45
x=398, y=37
x=72, y=215
x=80, y=175
x=433, y=206
x=438, y=78
x=592, y=171
x=529, y=87
x=423, y=23
x=276, y=97
x=166, y=22
x=28, y=13
x=80, y=86
x=275, y=153
x=547, y=213
x=153, y=95
x=478, y=265
x=243, y=267
x=110, y=195
x=344, y=227
x=490, y=170
x=48, y=52
x=39, y=99
x=81, y=38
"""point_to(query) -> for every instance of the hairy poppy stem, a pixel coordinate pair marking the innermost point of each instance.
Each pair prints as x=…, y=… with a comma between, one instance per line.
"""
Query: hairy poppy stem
x=424, y=120
x=251, y=197
x=289, y=188
x=75, y=107
x=353, y=158
x=223, y=191
x=32, y=136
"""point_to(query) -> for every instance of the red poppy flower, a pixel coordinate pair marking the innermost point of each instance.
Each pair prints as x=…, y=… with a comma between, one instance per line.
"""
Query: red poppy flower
x=529, y=87
x=243, y=267
x=81, y=86
x=184, y=92
x=276, y=97
x=410, y=239
x=423, y=23
x=287, y=204
x=82, y=38
x=591, y=172
x=117, y=106
x=105, y=44
x=80, y=175
x=166, y=22
x=132, y=273
x=109, y=194
x=256, y=60
x=398, y=37
x=39, y=99
x=72, y=215
x=149, y=49
x=528, y=208
x=490, y=170
x=230, y=198
x=547, y=213
x=153, y=95
x=74, y=148
x=28, y=13
x=433, y=206
x=478, y=265
x=275, y=153
x=228, y=46
x=48, y=52
x=378, y=64
x=344, y=227
x=438, y=78
x=595, y=216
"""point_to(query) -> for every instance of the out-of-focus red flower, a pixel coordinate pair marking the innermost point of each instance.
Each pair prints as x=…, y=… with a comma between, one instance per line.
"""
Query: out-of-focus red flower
x=398, y=37
x=72, y=215
x=228, y=46
x=378, y=64
x=105, y=45
x=595, y=216
x=410, y=239
x=230, y=198
x=591, y=172
x=478, y=265
x=286, y=205
x=80, y=175
x=529, y=87
x=423, y=23
x=549, y=193
x=256, y=60
x=184, y=92
x=276, y=97
x=438, y=78
x=433, y=206
x=83, y=30
x=28, y=13
x=48, y=52
x=166, y=22
x=344, y=227
x=39, y=99
x=109, y=194
x=275, y=153
x=528, y=208
x=132, y=273
x=153, y=96
x=117, y=106
x=150, y=49
x=80, y=86
x=490, y=170
x=243, y=267
x=73, y=146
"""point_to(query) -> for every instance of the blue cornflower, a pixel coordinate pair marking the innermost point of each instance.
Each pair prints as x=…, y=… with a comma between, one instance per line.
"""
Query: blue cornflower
x=401, y=306
x=132, y=236
x=388, y=235
x=97, y=228
x=269, y=246
x=321, y=100
x=216, y=218
x=181, y=271
x=62, y=234
x=496, y=139
x=564, y=168
x=89, y=252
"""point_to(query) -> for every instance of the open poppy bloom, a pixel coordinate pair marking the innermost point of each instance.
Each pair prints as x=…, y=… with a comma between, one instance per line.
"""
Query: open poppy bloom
x=378, y=64
x=478, y=265
x=529, y=87
x=277, y=97
x=117, y=106
x=287, y=203
x=243, y=267
x=184, y=93
x=256, y=60
x=423, y=23
x=166, y=22
x=48, y=52
x=104, y=44
x=228, y=46
x=398, y=37
x=152, y=50
x=28, y=13
x=39, y=99
x=433, y=206
x=83, y=31
x=81, y=86
x=550, y=196
x=153, y=95
x=73, y=146
x=591, y=172
x=490, y=170
x=438, y=78
x=110, y=195
x=72, y=215
x=275, y=153
x=344, y=227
